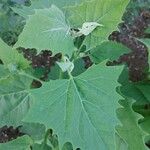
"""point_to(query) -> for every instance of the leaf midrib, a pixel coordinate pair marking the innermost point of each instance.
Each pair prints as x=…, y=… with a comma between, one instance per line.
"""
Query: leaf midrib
x=78, y=93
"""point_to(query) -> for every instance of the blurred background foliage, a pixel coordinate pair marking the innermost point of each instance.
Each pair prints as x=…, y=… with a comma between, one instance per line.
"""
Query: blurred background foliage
x=11, y=24
x=134, y=8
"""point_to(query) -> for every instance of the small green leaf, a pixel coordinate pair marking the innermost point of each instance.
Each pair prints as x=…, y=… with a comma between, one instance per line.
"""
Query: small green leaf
x=108, y=50
x=79, y=67
x=87, y=28
x=11, y=56
x=47, y=29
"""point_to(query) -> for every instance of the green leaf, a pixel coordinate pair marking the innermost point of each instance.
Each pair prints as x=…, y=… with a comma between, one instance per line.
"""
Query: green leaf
x=108, y=50
x=130, y=131
x=11, y=56
x=129, y=90
x=21, y=143
x=42, y=146
x=105, y=12
x=67, y=146
x=145, y=89
x=144, y=123
x=120, y=143
x=147, y=30
x=55, y=73
x=35, y=130
x=47, y=29
x=14, y=99
x=79, y=67
x=25, y=11
x=146, y=41
x=62, y=3
x=81, y=110
x=40, y=4
x=3, y=72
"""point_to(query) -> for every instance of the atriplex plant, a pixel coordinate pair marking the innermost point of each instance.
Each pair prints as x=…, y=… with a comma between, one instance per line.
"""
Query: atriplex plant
x=88, y=108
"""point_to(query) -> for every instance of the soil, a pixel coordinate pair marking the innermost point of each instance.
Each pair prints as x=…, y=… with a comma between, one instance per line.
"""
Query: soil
x=137, y=59
x=9, y=133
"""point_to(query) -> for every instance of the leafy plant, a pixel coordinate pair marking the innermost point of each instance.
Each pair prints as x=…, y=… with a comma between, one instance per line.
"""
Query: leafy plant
x=65, y=86
x=11, y=23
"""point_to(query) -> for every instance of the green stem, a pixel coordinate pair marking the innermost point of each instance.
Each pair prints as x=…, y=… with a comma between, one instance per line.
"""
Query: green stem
x=46, y=136
x=70, y=75
x=76, y=54
x=60, y=74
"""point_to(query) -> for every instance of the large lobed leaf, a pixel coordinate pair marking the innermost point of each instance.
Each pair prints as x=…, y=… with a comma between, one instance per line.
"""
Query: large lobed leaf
x=22, y=143
x=47, y=29
x=81, y=110
x=40, y=4
x=130, y=131
x=14, y=98
x=144, y=123
x=120, y=143
x=106, y=12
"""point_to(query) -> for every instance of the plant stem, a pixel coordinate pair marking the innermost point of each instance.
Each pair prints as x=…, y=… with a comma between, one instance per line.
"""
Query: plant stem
x=48, y=132
x=70, y=75
x=60, y=74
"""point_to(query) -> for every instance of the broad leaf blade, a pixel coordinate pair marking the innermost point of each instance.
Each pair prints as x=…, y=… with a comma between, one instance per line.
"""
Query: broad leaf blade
x=130, y=131
x=42, y=146
x=81, y=110
x=145, y=89
x=40, y=4
x=35, y=130
x=108, y=50
x=47, y=29
x=144, y=123
x=105, y=12
x=21, y=143
x=14, y=99
x=67, y=146
x=120, y=143
x=3, y=72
